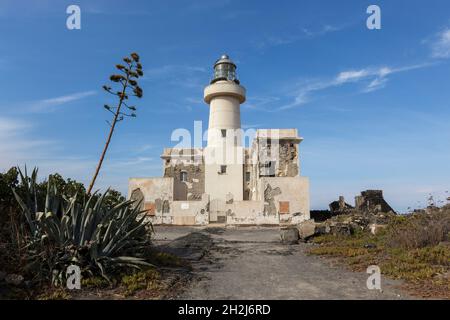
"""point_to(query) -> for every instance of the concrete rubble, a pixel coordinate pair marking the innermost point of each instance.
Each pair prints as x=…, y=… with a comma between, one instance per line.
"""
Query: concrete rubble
x=370, y=213
x=289, y=235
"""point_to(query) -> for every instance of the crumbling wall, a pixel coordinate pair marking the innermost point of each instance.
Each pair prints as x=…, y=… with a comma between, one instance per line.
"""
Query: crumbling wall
x=288, y=164
x=248, y=213
x=288, y=197
x=277, y=158
x=194, y=186
x=157, y=194
x=270, y=195
x=248, y=172
x=189, y=213
x=340, y=206
x=138, y=197
x=372, y=201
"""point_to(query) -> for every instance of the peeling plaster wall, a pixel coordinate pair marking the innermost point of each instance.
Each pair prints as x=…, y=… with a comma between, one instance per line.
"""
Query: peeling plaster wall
x=158, y=195
x=281, y=154
x=191, y=162
x=248, y=172
x=194, y=187
x=288, y=159
x=152, y=188
x=280, y=147
x=292, y=192
x=248, y=212
x=282, y=198
x=190, y=212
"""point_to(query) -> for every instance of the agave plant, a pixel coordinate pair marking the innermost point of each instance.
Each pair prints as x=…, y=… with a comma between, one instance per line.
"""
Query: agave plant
x=98, y=238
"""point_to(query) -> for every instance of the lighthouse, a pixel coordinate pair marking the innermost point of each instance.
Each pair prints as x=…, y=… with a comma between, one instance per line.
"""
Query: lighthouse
x=227, y=181
x=224, y=155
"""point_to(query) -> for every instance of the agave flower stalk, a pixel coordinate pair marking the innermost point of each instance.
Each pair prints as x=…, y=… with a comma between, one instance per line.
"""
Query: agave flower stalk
x=127, y=80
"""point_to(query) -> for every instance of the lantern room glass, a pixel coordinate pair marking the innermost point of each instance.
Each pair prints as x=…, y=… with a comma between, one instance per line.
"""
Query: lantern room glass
x=225, y=71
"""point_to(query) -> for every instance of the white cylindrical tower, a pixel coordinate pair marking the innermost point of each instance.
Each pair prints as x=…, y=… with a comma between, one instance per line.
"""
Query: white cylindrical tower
x=224, y=96
x=224, y=154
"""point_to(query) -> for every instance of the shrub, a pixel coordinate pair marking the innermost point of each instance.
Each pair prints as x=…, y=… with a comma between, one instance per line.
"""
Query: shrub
x=419, y=230
x=90, y=233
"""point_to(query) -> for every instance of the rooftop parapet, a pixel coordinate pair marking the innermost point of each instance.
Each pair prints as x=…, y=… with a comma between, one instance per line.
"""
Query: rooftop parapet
x=278, y=134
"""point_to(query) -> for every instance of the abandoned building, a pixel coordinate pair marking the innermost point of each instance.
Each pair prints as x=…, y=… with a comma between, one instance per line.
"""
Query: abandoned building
x=227, y=181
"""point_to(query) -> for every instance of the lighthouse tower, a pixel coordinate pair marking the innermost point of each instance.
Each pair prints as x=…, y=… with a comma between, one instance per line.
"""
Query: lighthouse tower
x=224, y=155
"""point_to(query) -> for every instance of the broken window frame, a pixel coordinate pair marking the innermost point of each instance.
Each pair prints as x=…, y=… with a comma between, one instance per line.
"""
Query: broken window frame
x=223, y=169
x=267, y=169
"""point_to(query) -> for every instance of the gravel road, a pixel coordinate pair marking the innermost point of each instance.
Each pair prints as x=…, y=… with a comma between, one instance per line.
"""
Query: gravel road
x=251, y=263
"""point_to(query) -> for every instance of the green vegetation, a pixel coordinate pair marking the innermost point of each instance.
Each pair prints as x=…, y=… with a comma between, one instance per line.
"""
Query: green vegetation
x=148, y=279
x=14, y=228
x=47, y=226
x=96, y=237
x=414, y=248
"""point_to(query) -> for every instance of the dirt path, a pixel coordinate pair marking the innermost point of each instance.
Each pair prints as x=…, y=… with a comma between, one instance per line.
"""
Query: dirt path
x=251, y=263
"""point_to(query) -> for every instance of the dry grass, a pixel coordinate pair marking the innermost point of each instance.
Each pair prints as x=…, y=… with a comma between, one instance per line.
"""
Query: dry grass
x=149, y=280
x=413, y=248
x=419, y=230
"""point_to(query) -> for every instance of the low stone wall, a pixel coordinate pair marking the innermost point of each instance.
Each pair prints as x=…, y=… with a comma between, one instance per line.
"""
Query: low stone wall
x=248, y=212
x=187, y=213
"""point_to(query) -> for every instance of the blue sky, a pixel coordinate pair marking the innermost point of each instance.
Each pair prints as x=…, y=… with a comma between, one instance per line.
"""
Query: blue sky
x=372, y=105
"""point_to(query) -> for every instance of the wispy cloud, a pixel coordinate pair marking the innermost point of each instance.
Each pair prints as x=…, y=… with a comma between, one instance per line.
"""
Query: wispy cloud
x=440, y=46
x=144, y=148
x=260, y=103
x=15, y=145
x=19, y=145
x=171, y=70
x=194, y=100
x=179, y=75
x=49, y=105
x=374, y=79
x=297, y=35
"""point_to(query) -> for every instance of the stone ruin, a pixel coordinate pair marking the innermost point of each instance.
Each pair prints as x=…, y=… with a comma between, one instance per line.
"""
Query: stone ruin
x=368, y=202
x=372, y=201
x=371, y=213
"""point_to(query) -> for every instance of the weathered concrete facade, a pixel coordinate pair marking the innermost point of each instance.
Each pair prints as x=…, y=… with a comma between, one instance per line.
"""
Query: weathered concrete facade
x=187, y=168
x=226, y=182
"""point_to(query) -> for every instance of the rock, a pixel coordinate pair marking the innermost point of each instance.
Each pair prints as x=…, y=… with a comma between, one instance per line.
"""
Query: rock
x=322, y=228
x=14, y=279
x=356, y=227
x=306, y=229
x=289, y=235
x=376, y=228
x=341, y=229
